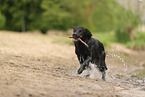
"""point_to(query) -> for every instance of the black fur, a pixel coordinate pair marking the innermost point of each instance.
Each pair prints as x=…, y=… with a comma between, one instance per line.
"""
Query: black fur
x=94, y=53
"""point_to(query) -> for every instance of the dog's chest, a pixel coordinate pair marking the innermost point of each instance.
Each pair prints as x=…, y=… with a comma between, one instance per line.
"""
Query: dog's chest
x=82, y=49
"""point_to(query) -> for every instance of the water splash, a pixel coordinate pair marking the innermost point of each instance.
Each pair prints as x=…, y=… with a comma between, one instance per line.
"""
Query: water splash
x=118, y=57
x=119, y=71
x=94, y=73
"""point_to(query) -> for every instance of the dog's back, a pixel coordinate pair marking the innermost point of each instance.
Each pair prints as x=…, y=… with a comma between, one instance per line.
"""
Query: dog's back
x=97, y=53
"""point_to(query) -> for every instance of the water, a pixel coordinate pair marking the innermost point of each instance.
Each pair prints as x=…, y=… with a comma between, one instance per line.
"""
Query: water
x=119, y=71
x=124, y=76
x=112, y=69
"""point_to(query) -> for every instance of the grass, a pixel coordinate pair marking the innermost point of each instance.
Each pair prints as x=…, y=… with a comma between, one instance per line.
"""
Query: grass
x=107, y=38
x=62, y=40
x=138, y=42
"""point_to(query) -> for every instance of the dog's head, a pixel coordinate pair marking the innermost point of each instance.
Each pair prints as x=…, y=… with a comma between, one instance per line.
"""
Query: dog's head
x=81, y=32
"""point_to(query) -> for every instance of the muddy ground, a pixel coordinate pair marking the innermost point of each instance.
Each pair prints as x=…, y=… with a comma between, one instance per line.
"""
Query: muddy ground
x=35, y=65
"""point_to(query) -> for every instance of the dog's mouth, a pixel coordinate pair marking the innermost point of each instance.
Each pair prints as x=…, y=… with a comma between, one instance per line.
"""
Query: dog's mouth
x=75, y=38
x=79, y=39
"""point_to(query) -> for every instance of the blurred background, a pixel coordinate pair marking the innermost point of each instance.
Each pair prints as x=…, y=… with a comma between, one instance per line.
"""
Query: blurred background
x=121, y=21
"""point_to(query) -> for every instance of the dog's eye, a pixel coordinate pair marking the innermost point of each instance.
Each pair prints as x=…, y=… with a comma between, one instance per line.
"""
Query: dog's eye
x=80, y=31
x=74, y=30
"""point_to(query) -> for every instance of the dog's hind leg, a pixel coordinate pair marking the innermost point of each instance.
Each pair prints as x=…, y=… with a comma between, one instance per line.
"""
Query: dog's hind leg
x=103, y=75
x=102, y=69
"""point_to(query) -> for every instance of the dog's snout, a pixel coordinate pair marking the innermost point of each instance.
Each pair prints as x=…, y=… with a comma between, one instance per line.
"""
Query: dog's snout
x=75, y=35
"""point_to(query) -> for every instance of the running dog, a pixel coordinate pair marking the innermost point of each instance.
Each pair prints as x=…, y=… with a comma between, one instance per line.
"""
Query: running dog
x=88, y=50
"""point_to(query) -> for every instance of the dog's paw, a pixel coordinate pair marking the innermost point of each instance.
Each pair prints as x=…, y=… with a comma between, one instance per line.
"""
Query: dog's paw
x=80, y=71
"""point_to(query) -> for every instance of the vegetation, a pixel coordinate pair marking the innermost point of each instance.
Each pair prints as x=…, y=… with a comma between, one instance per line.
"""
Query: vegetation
x=103, y=16
x=2, y=21
x=21, y=15
x=60, y=15
x=138, y=42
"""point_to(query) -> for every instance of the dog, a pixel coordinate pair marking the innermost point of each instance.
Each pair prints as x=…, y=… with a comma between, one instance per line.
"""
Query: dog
x=88, y=50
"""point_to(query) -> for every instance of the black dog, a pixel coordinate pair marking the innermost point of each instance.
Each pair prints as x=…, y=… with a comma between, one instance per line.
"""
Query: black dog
x=88, y=50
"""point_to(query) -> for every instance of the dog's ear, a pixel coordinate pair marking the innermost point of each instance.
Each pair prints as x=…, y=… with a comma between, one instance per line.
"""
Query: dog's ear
x=88, y=33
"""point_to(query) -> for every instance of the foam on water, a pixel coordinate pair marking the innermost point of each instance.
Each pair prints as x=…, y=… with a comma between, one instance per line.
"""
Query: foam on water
x=93, y=72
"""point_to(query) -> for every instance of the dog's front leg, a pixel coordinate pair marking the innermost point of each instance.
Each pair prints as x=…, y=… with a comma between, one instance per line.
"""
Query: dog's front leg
x=84, y=64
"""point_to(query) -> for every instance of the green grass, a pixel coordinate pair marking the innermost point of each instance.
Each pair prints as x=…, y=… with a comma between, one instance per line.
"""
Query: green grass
x=109, y=37
x=105, y=37
x=61, y=40
x=138, y=42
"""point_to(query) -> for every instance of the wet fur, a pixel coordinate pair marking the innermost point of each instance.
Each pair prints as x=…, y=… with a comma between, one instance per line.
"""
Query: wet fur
x=94, y=53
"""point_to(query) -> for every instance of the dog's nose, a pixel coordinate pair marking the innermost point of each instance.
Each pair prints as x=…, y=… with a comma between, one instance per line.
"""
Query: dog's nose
x=75, y=35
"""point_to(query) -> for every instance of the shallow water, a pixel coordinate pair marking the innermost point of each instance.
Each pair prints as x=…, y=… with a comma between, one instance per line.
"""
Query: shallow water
x=121, y=74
